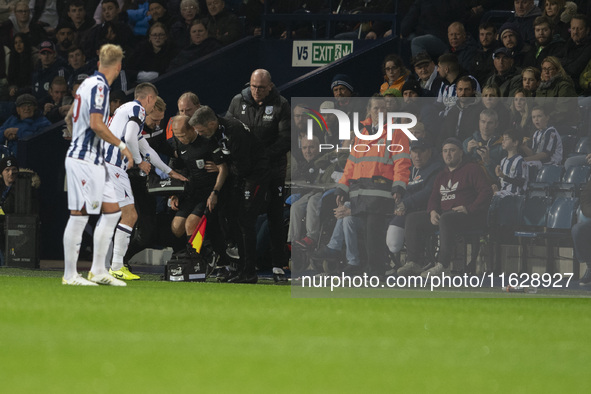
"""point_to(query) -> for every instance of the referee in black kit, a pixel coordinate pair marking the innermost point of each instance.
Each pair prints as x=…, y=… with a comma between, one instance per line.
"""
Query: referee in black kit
x=248, y=175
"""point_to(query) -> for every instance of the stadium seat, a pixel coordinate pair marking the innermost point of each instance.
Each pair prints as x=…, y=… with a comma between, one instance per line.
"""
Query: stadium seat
x=533, y=221
x=546, y=177
x=583, y=146
x=561, y=217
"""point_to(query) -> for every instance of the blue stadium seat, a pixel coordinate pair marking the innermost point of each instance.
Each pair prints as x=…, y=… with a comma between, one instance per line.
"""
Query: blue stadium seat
x=578, y=175
x=583, y=146
x=504, y=216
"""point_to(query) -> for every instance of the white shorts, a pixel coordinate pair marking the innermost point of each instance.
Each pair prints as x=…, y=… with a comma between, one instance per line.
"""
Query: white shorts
x=87, y=186
x=120, y=183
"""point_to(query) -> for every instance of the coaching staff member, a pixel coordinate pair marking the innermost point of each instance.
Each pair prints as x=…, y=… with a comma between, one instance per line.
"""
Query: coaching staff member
x=268, y=115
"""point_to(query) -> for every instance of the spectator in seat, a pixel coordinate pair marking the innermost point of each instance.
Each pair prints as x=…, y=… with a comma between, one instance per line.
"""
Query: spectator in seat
x=49, y=67
x=57, y=104
x=65, y=39
x=80, y=20
x=395, y=73
x=427, y=74
x=557, y=90
x=506, y=76
x=531, y=77
x=510, y=39
x=491, y=99
x=512, y=171
x=450, y=71
x=520, y=119
x=484, y=147
x=426, y=24
x=560, y=13
x=547, y=43
x=201, y=45
x=425, y=167
x=458, y=203
x=158, y=11
x=525, y=13
x=578, y=48
x=152, y=58
x=482, y=63
x=20, y=22
x=78, y=65
x=111, y=30
x=546, y=144
x=25, y=123
x=462, y=45
x=20, y=66
x=461, y=119
x=180, y=29
x=222, y=24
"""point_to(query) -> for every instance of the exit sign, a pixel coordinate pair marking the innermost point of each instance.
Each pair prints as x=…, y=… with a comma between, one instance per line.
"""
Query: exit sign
x=319, y=53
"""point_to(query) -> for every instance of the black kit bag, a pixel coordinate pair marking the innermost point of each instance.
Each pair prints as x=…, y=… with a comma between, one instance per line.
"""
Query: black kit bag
x=186, y=269
x=163, y=187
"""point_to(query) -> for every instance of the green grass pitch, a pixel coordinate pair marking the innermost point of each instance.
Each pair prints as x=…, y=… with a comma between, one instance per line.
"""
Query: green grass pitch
x=159, y=337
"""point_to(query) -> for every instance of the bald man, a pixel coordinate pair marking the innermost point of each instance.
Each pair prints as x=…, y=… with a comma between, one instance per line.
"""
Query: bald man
x=268, y=115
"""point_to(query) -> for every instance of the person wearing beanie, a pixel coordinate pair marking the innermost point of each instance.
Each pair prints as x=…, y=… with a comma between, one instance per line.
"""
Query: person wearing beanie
x=458, y=203
x=25, y=123
x=342, y=86
x=343, y=89
x=10, y=180
x=511, y=39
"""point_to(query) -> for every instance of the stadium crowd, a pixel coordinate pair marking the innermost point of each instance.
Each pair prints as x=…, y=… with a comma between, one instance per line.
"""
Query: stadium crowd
x=495, y=102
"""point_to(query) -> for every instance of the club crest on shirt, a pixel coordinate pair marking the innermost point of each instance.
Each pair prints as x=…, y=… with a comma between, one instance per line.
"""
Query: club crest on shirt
x=268, y=109
x=83, y=182
x=200, y=164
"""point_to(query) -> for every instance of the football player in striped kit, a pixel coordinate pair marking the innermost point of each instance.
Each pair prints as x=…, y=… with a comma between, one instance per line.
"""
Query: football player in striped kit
x=89, y=193
x=127, y=123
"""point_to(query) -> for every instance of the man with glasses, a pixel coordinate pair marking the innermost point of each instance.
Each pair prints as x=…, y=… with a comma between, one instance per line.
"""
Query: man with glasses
x=25, y=123
x=268, y=115
x=21, y=22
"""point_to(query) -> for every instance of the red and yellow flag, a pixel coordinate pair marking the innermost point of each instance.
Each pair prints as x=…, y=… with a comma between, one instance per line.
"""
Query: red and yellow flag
x=198, y=236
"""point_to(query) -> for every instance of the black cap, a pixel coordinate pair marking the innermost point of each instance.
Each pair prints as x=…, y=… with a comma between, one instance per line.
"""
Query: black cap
x=421, y=143
x=414, y=85
x=505, y=51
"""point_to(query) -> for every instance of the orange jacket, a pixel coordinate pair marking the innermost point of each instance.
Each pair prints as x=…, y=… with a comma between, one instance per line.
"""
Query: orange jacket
x=373, y=173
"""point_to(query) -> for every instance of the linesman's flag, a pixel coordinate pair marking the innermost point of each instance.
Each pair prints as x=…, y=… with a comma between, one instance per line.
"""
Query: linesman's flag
x=196, y=240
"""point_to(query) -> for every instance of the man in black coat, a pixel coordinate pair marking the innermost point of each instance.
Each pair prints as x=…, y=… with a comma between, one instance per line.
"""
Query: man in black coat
x=268, y=115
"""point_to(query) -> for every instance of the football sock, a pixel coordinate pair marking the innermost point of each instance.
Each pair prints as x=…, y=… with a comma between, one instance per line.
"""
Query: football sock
x=103, y=233
x=122, y=237
x=72, y=241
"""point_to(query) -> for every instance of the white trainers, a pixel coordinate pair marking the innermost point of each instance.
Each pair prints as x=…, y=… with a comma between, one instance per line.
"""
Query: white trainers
x=410, y=268
x=105, y=279
x=437, y=270
x=78, y=280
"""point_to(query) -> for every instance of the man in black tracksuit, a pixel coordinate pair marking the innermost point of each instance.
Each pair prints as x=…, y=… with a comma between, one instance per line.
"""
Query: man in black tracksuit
x=268, y=115
x=248, y=176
